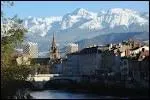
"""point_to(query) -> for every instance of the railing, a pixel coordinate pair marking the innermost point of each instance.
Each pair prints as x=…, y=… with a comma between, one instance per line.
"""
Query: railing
x=47, y=77
x=41, y=77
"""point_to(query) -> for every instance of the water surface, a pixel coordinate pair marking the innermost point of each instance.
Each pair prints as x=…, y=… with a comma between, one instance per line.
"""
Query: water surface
x=61, y=94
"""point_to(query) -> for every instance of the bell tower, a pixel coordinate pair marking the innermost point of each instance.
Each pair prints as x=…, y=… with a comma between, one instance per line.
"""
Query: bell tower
x=54, y=53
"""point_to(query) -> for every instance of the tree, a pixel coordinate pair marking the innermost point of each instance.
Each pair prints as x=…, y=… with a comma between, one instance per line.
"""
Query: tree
x=12, y=33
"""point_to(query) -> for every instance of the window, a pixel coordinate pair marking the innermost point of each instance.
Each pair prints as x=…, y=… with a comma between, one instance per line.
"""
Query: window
x=125, y=63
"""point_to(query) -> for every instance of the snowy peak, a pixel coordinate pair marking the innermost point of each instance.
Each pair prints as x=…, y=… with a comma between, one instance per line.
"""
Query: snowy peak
x=40, y=26
x=118, y=16
x=145, y=15
x=81, y=12
x=77, y=18
x=121, y=11
x=82, y=24
x=112, y=20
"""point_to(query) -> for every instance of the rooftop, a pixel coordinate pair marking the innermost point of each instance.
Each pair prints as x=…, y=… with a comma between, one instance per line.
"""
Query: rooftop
x=90, y=50
x=43, y=61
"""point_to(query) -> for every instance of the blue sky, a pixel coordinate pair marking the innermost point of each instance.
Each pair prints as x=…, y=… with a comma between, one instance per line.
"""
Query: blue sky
x=59, y=8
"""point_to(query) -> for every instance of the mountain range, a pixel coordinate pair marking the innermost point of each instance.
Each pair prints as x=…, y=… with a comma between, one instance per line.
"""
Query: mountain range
x=85, y=27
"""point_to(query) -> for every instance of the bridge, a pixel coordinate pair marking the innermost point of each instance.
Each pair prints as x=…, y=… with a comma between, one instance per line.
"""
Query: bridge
x=41, y=77
x=40, y=80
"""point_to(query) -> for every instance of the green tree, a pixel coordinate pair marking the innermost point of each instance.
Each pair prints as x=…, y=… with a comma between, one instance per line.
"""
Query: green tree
x=12, y=34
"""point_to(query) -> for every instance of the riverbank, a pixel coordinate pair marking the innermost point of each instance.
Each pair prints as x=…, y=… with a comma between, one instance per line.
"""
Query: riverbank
x=16, y=89
x=21, y=94
x=101, y=89
x=21, y=89
x=69, y=92
x=62, y=94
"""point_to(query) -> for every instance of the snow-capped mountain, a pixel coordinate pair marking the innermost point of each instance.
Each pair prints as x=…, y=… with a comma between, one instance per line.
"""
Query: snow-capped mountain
x=82, y=24
x=77, y=18
x=40, y=26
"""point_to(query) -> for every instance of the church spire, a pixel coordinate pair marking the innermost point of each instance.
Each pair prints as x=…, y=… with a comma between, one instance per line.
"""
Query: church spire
x=54, y=50
x=53, y=42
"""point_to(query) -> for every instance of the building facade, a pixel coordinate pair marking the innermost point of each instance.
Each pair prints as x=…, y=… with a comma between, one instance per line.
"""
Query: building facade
x=30, y=49
x=135, y=72
x=71, y=65
x=83, y=63
x=89, y=61
x=42, y=64
x=23, y=60
x=71, y=47
x=138, y=50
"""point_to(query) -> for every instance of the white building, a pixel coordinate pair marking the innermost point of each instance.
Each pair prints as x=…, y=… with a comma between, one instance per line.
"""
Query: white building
x=136, y=51
x=71, y=47
x=110, y=46
x=31, y=49
x=23, y=60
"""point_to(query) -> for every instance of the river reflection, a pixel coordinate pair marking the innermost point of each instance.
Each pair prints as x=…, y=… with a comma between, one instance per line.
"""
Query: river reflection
x=60, y=94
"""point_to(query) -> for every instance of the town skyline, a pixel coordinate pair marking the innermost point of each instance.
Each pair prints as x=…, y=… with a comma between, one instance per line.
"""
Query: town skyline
x=84, y=54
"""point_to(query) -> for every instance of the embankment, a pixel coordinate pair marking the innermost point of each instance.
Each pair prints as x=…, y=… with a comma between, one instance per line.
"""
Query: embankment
x=16, y=89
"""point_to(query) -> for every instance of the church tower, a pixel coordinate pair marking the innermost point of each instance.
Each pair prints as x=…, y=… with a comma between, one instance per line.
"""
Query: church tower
x=54, y=54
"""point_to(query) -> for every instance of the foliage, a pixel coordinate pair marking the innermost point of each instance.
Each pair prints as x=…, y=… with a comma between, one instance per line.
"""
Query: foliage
x=7, y=3
x=12, y=32
x=16, y=72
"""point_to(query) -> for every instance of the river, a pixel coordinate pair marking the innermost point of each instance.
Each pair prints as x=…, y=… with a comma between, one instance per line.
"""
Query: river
x=61, y=94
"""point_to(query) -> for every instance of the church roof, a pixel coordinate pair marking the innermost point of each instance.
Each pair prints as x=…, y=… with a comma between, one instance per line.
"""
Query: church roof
x=53, y=42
